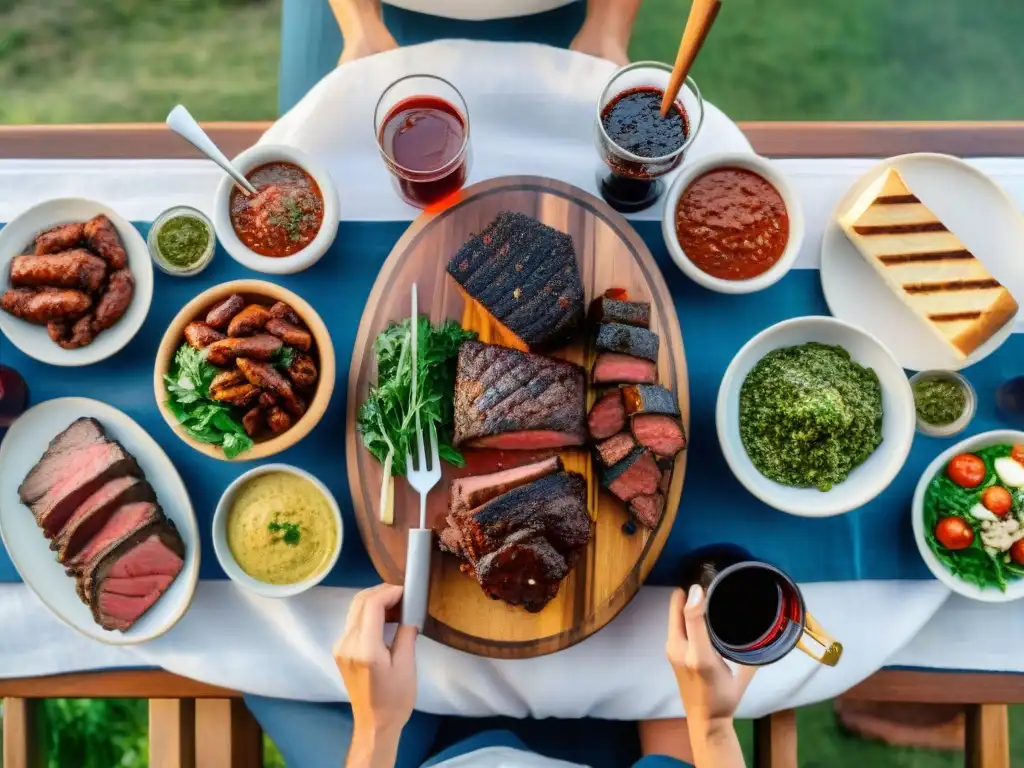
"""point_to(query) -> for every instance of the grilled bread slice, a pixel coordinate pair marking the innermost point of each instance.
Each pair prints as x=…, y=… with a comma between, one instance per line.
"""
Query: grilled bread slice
x=927, y=266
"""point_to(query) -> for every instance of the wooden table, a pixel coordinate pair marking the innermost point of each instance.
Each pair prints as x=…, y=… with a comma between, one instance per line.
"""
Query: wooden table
x=194, y=724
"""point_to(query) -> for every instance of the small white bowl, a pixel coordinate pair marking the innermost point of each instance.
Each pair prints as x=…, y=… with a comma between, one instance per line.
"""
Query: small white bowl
x=33, y=339
x=970, y=404
x=864, y=482
x=227, y=560
x=762, y=167
x=158, y=259
x=273, y=265
x=1014, y=590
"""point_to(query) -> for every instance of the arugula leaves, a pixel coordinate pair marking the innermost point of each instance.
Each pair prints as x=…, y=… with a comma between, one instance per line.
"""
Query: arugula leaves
x=188, y=398
x=387, y=420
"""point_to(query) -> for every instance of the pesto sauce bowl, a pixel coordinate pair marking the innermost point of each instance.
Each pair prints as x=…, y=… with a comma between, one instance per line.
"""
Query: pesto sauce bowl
x=866, y=481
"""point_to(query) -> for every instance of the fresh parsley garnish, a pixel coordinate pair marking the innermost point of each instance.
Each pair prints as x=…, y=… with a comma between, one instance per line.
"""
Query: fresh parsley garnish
x=387, y=420
x=290, y=533
x=188, y=398
x=284, y=357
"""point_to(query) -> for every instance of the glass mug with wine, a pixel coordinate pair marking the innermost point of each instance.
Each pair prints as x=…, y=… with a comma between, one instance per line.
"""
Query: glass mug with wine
x=755, y=613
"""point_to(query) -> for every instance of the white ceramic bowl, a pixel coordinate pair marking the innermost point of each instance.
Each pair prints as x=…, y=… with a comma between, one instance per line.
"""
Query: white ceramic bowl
x=1014, y=590
x=284, y=265
x=762, y=167
x=864, y=482
x=227, y=560
x=32, y=339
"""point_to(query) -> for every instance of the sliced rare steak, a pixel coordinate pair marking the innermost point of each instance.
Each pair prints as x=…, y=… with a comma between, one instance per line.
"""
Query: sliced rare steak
x=663, y=435
x=636, y=475
x=647, y=509
x=53, y=465
x=526, y=570
x=82, y=473
x=508, y=399
x=605, y=309
x=93, y=513
x=129, y=579
x=607, y=417
x=526, y=275
x=126, y=520
x=649, y=398
x=614, y=368
x=628, y=340
x=615, y=448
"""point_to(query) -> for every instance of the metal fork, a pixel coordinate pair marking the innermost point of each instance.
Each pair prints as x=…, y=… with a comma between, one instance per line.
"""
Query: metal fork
x=423, y=477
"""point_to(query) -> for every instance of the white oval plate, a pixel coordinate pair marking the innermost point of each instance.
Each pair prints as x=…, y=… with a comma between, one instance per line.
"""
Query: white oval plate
x=33, y=339
x=975, y=208
x=29, y=550
x=1015, y=589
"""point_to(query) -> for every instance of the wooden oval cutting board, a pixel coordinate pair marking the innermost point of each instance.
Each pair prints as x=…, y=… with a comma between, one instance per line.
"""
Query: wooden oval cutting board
x=611, y=255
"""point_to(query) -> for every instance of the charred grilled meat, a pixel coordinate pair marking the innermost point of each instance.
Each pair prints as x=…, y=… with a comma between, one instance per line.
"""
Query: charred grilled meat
x=260, y=347
x=249, y=321
x=61, y=238
x=114, y=301
x=67, y=269
x=220, y=316
x=265, y=376
x=200, y=335
x=290, y=334
x=103, y=240
x=41, y=305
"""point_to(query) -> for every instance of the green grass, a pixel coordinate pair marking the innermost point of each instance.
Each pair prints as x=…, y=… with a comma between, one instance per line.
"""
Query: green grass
x=79, y=61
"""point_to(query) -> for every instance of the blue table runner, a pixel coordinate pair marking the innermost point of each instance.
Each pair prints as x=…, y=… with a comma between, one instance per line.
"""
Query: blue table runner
x=874, y=542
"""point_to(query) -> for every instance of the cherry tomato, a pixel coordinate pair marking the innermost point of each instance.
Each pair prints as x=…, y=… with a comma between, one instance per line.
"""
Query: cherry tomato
x=997, y=500
x=1018, y=453
x=954, y=533
x=967, y=470
x=1017, y=552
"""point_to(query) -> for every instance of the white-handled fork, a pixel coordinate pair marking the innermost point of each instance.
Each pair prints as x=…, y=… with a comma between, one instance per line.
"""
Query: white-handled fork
x=422, y=476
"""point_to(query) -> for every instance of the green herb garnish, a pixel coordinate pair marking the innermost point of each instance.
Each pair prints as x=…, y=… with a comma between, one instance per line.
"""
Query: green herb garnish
x=290, y=532
x=188, y=398
x=291, y=219
x=284, y=357
x=387, y=420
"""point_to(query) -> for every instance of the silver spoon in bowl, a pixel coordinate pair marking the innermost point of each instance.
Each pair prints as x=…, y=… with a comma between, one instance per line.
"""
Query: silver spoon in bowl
x=182, y=123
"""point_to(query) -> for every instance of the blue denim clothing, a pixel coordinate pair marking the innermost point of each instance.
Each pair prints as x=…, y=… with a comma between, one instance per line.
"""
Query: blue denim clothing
x=311, y=41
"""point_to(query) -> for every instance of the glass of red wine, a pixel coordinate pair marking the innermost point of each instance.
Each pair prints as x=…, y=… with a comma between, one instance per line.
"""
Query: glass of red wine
x=636, y=143
x=13, y=396
x=755, y=613
x=422, y=127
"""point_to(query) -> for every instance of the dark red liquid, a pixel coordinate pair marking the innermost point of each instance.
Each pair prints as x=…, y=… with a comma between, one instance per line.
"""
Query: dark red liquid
x=751, y=607
x=13, y=396
x=634, y=123
x=422, y=135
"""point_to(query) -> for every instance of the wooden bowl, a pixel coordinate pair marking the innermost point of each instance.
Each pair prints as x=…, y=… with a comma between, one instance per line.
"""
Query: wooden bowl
x=261, y=292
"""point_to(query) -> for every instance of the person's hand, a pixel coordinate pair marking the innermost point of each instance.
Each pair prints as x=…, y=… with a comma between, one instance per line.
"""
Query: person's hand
x=594, y=40
x=381, y=682
x=710, y=690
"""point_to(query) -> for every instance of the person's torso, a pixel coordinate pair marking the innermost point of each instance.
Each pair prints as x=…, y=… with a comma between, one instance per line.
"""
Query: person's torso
x=477, y=10
x=504, y=757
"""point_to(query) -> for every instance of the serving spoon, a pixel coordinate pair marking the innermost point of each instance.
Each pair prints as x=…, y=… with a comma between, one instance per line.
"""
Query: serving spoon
x=182, y=123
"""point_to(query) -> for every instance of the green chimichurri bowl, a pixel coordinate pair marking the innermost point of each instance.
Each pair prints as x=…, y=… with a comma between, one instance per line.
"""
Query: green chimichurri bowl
x=815, y=417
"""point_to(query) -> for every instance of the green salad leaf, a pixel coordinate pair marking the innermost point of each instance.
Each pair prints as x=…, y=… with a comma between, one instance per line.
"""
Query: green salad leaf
x=944, y=498
x=387, y=420
x=188, y=398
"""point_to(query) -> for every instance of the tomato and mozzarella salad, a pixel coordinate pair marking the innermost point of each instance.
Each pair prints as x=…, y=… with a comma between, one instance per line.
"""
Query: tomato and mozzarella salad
x=974, y=515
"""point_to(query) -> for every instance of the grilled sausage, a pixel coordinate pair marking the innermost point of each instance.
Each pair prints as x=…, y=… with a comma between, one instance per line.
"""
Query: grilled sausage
x=283, y=311
x=200, y=335
x=60, y=238
x=228, y=378
x=82, y=333
x=266, y=376
x=221, y=314
x=267, y=399
x=67, y=269
x=260, y=347
x=242, y=395
x=253, y=420
x=114, y=301
x=102, y=238
x=41, y=305
x=302, y=371
x=278, y=420
x=291, y=334
x=249, y=321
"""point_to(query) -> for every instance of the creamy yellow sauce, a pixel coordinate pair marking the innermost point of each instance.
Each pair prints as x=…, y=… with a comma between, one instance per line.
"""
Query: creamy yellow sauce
x=281, y=529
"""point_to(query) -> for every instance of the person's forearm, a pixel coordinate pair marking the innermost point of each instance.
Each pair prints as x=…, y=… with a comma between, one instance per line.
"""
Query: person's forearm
x=372, y=748
x=715, y=744
x=354, y=15
x=614, y=17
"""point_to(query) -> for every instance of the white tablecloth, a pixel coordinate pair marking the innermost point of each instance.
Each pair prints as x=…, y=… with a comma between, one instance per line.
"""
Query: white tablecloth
x=532, y=111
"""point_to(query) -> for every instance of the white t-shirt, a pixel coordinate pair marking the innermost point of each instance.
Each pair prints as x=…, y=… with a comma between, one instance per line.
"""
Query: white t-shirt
x=505, y=757
x=477, y=10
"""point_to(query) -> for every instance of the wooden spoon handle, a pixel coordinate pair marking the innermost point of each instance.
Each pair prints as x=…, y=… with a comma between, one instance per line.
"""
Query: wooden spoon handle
x=702, y=16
